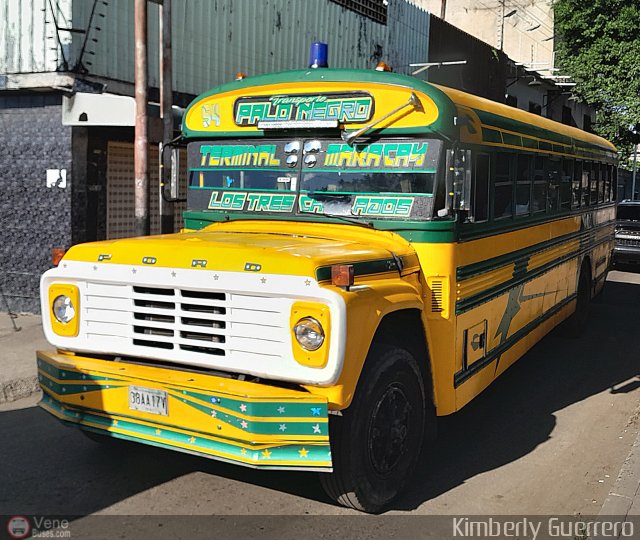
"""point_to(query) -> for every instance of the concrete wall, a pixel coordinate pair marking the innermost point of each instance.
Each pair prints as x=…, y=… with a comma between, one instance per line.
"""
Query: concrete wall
x=526, y=33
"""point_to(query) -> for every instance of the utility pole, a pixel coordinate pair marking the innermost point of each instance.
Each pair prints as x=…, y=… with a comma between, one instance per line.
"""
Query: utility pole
x=166, y=111
x=503, y=16
x=141, y=146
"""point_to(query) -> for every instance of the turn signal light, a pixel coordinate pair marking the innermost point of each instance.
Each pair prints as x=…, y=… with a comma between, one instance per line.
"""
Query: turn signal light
x=342, y=275
x=56, y=255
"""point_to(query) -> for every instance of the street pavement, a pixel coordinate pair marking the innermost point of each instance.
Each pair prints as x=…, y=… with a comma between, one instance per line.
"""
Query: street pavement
x=20, y=337
x=555, y=435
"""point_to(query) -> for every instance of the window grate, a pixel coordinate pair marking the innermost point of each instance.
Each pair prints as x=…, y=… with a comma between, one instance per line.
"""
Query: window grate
x=376, y=10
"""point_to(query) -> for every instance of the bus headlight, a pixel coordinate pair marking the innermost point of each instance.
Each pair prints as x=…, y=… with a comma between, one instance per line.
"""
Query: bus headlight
x=309, y=333
x=63, y=309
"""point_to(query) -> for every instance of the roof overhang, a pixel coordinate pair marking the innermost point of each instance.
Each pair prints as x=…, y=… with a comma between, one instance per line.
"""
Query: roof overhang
x=82, y=109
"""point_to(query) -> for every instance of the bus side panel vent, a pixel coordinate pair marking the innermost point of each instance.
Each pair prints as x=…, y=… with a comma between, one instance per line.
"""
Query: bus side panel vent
x=438, y=296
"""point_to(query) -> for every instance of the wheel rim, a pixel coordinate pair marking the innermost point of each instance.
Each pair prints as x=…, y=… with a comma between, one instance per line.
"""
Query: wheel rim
x=389, y=429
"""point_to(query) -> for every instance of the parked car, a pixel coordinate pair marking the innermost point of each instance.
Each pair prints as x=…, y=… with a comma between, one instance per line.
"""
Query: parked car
x=627, y=246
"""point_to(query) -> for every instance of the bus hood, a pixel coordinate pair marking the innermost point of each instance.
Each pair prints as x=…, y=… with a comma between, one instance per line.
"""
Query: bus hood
x=268, y=247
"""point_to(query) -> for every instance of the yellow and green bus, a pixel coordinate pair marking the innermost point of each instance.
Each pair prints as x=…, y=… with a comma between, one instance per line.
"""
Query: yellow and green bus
x=363, y=252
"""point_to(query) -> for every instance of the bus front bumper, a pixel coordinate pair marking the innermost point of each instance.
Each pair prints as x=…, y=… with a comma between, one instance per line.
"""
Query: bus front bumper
x=251, y=424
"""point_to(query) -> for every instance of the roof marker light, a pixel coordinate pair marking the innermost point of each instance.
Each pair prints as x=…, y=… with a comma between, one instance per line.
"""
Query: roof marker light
x=240, y=75
x=319, y=55
x=383, y=66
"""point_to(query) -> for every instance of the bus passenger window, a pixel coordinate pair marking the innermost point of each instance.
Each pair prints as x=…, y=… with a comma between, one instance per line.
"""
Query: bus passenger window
x=481, y=188
x=539, y=199
x=575, y=185
x=602, y=182
x=554, y=174
x=594, y=183
x=586, y=175
x=614, y=183
x=503, y=189
x=608, y=184
x=565, y=183
x=523, y=185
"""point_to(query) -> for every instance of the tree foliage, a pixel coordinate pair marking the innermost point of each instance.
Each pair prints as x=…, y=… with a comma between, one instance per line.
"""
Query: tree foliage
x=598, y=44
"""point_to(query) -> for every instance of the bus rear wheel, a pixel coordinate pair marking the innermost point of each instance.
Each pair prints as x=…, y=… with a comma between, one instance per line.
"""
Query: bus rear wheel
x=376, y=442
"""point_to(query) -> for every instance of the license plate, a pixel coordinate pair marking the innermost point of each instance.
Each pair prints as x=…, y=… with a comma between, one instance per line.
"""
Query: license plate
x=148, y=400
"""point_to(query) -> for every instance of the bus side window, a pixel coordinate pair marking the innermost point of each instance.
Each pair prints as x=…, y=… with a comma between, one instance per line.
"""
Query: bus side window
x=586, y=175
x=539, y=200
x=523, y=185
x=602, y=183
x=565, y=183
x=594, y=183
x=614, y=184
x=554, y=174
x=503, y=186
x=575, y=185
x=481, y=188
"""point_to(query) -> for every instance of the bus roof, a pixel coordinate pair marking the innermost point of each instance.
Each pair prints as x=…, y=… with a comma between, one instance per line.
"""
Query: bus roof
x=354, y=98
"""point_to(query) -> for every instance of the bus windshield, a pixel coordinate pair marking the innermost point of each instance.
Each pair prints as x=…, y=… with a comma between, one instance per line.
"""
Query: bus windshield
x=392, y=178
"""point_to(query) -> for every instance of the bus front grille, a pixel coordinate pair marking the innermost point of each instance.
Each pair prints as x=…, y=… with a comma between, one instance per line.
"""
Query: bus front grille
x=183, y=324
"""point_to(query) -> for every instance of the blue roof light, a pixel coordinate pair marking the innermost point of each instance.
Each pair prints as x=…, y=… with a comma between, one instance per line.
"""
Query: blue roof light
x=319, y=56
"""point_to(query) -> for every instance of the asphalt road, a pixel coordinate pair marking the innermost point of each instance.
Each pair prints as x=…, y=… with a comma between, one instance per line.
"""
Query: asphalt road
x=549, y=437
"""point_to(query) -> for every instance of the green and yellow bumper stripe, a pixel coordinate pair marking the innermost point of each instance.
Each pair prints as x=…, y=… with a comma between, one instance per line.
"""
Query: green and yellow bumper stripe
x=250, y=424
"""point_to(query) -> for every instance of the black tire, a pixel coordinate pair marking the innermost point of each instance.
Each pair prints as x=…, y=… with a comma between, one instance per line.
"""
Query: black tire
x=574, y=326
x=376, y=442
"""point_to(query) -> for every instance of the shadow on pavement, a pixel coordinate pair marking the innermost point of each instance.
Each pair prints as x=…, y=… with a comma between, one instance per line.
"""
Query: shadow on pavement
x=49, y=469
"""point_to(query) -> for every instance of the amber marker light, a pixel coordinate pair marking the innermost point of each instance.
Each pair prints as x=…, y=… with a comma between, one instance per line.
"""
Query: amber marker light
x=342, y=275
x=241, y=75
x=383, y=66
x=56, y=255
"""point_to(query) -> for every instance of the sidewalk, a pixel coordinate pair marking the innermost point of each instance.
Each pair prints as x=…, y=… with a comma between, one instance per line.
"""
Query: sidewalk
x=17, y=355
x=623, y=500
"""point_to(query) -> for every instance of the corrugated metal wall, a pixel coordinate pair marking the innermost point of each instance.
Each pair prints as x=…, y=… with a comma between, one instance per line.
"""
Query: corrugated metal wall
x=28, y=40
x=213, y=39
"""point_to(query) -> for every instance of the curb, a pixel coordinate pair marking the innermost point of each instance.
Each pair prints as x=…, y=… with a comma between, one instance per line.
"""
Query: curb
x=18, y=389
x=627, y=487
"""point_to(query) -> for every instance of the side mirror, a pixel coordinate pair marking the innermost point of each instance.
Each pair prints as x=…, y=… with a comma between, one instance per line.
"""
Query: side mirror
x=170, y=158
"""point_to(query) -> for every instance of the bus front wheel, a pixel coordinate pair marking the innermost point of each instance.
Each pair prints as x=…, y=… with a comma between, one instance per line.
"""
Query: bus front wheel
x=376, y=442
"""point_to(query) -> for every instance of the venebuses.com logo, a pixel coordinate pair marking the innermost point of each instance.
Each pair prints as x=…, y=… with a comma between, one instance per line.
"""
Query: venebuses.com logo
x=18, y=527
x=37, y=527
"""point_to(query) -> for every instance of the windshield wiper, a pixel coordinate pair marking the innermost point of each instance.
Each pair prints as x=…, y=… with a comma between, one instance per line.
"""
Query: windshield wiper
x=346, y=219
x=413, y=101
